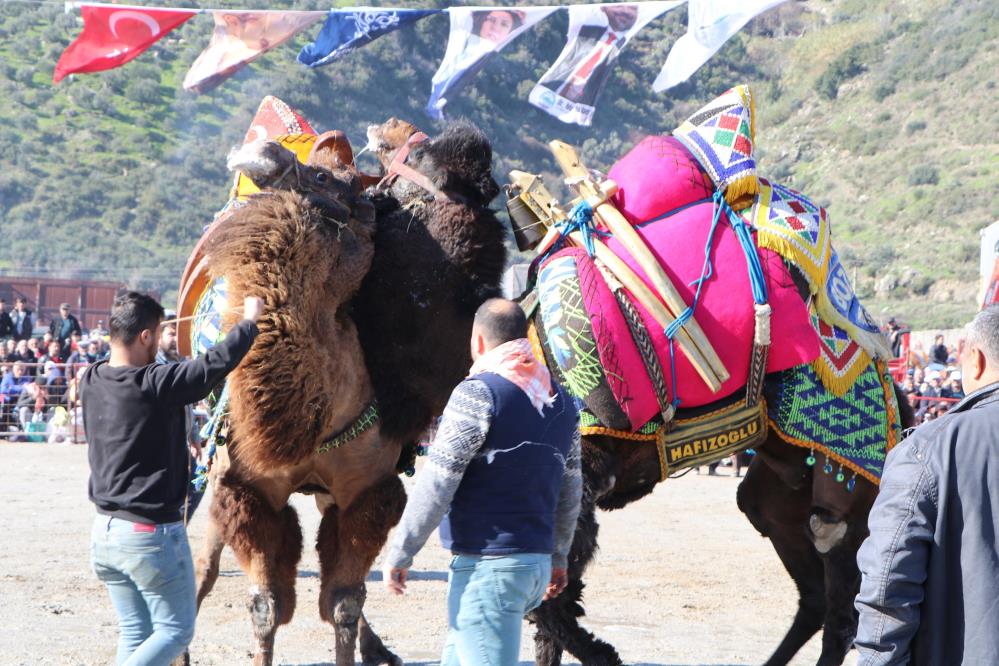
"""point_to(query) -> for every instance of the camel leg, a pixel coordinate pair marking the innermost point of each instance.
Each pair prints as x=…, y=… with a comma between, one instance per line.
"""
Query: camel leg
x=206, y=565
x=348, y=542
x=373, y=650
x=837, y=525
x=268, y=546
x=779, y=512
x=557, y=620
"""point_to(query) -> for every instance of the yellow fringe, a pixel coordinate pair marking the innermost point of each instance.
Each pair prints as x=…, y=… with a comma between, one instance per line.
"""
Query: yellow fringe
x=532, y=336
x=816, y=275
x=840, y=384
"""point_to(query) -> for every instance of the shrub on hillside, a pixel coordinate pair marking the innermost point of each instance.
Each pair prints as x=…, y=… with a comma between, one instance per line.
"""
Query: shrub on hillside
x=844, y=67
x=924, y=174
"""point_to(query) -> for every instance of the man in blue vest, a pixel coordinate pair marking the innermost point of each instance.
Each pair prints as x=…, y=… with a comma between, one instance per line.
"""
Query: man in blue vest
x=505, y=468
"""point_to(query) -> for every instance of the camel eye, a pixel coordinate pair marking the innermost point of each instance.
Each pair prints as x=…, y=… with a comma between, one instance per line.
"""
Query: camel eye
x=322, y=177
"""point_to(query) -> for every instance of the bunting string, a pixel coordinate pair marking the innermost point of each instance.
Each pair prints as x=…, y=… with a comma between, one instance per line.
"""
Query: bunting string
x=114, y=35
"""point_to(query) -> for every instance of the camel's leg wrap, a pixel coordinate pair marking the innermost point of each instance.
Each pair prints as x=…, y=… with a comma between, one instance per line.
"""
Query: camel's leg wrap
x=268, y=545
x=348, y=542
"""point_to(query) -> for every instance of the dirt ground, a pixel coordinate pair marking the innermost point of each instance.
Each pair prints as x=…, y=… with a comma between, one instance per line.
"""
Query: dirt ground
x=681, y=578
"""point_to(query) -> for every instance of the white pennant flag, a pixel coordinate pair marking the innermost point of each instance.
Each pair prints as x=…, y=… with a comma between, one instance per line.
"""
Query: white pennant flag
x=476, y=34
x=710, y=23
x=597, y=35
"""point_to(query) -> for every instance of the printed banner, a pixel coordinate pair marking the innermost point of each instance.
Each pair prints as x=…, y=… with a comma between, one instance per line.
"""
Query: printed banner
x=113, y=35
x=477, y=33
x=239, y=39
x=346, y=30
x=710, y=23
x=597, y=35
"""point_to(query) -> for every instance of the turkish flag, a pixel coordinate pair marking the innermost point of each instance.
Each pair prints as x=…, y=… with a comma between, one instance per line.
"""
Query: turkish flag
x=113, y=35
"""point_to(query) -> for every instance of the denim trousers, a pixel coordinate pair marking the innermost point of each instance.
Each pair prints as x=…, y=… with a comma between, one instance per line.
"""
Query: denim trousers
x=150, y=578
x=487, y=599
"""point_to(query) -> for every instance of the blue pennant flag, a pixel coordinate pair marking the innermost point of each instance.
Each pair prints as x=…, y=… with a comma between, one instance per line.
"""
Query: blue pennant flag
x=348, y=29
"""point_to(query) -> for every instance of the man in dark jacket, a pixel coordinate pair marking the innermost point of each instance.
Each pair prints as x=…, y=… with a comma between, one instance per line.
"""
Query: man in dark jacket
x=6, y=323
x=21, y=317
x=133, y=414
x=505, y=467
x=930, y=567
x=63, y=326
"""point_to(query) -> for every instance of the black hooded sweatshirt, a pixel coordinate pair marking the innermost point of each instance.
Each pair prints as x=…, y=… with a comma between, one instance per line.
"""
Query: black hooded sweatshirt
x=134, y=420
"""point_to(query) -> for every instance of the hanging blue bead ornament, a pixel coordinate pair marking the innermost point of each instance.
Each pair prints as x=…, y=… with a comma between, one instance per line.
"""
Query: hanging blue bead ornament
x=840, y=477
x=851, y=483
x=828, y=468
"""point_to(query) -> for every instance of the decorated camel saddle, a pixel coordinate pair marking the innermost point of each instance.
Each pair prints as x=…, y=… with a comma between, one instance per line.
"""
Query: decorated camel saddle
x=686, y=300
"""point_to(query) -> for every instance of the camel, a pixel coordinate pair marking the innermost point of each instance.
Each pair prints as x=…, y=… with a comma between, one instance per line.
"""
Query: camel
x=301, y=426
x=448, y=249
x=815, y=523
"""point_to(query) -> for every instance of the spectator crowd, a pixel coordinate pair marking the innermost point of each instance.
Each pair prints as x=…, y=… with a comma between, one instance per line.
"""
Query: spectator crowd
x=932, y=380
x=38, y=389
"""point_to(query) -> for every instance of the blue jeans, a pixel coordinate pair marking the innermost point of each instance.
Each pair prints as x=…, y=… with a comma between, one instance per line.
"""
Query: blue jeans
x=150, y=578
x=487, y=599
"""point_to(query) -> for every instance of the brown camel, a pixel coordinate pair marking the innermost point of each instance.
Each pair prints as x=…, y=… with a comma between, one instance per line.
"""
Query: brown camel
x=448, y=250
x=299, y=418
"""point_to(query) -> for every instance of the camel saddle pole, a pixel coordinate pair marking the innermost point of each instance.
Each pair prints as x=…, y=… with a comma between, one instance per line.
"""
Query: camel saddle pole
x=578, y=177
x=549, y=213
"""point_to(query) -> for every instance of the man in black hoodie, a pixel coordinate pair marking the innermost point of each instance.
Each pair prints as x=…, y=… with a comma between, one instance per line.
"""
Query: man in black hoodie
x=133, y=414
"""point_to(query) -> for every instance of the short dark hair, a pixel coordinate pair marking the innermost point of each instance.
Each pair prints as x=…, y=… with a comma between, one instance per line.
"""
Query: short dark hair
x=501, y=321
x=133, y=313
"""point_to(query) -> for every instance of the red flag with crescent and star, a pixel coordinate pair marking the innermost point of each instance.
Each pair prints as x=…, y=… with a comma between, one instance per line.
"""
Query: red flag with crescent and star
x=115, y=34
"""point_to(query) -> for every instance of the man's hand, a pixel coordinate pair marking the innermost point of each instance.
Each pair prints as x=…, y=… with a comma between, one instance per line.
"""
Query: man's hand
x=559, y=581
x=253, y=307
x=395, y=579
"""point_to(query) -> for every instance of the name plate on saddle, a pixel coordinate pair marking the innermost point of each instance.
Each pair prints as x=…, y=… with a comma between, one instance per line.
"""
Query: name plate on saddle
x=707, y=438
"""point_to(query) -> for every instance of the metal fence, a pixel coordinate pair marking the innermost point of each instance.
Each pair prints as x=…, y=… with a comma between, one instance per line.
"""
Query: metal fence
x=39, y=402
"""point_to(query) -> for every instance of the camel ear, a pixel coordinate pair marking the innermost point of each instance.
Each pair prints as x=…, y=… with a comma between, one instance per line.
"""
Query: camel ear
x=332, y=151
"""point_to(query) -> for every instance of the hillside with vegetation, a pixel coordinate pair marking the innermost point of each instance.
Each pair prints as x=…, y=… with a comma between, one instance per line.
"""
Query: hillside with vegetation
x=883, y=111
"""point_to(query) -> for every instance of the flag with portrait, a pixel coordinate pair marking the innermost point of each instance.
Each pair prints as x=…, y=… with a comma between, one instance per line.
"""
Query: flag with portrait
x=597, y=35
x=477, y=33
x=240, y=38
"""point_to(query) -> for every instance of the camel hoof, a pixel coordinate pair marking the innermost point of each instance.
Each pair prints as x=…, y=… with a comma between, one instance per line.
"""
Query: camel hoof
x=387, y=659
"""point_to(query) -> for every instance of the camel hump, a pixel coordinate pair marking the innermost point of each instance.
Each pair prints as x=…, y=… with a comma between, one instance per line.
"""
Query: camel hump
x=331, y=150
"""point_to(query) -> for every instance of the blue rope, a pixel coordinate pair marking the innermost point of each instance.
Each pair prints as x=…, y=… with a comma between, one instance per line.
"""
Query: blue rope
x=707, y=270
x=756, y=279
x=581, y=220
x=209, y=433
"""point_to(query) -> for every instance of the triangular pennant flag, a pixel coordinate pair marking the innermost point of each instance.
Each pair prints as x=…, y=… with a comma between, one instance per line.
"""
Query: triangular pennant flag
x=476, y=34
x=113, y=35
x=346, y=30
x=597, y=35
x=239, y=39
x=709, y=25
x=721, y=136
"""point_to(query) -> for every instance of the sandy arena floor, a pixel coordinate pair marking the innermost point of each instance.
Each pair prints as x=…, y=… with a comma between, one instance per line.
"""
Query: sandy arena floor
x=682, y=578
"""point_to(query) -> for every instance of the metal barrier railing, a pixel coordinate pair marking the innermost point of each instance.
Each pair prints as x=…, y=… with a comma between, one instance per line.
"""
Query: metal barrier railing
x=39, y=402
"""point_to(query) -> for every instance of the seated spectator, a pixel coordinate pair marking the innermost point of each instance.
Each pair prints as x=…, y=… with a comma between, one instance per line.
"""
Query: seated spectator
x=13, y=383
x=53, y=370
x=9, y=349
x=74, y=343
x=954, y=387
x=78, y=359
x=908, y=387
x=31, y=404
x=94, y=351
x=939, y=352
x=926, y=390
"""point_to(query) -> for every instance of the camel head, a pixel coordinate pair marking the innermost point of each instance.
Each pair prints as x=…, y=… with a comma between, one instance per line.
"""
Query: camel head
x=386, y=139
x=458, y=161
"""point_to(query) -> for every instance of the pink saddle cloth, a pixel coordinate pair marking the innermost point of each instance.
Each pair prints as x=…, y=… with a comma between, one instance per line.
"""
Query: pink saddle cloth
x=725, y=312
